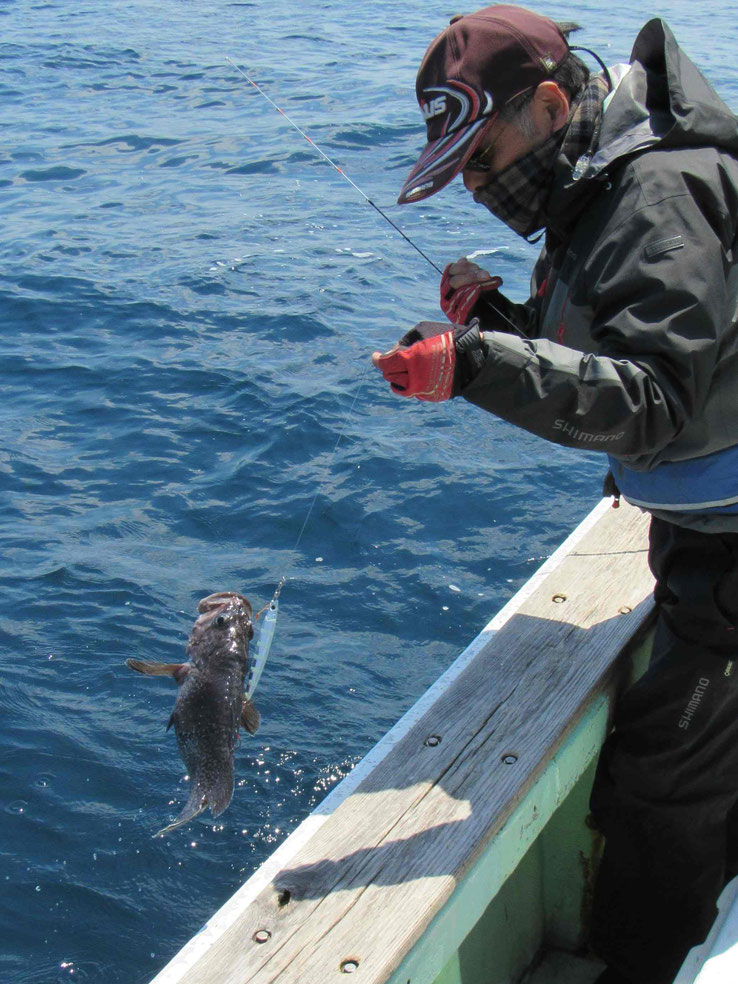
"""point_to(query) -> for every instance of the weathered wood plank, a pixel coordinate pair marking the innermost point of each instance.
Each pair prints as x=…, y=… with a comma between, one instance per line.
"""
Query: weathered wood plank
x=374, y=875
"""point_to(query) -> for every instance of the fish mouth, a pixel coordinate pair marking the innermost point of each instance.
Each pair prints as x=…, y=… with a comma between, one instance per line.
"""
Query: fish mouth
x=224, y=599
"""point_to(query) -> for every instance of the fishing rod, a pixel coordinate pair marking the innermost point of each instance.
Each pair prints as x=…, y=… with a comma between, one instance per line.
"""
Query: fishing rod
x=353, y=184
x=262, y=643
x=334, y=165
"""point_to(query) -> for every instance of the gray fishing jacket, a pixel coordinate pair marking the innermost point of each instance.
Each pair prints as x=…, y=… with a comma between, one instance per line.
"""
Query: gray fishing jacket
x=632, y=324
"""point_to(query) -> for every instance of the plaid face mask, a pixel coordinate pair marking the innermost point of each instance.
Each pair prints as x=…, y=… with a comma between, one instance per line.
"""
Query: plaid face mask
x=518, y=195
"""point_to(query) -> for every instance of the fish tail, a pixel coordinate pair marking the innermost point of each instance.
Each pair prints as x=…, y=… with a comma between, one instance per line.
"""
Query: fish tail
x=215, y=792
x=193, y=808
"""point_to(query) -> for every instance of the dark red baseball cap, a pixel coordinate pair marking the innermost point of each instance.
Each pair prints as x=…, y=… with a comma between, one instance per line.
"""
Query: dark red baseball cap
x=479, y=63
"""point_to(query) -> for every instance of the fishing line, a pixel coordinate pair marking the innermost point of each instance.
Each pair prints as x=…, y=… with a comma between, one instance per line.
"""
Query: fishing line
x=332, y=454
x=260, y=650
x=353, y=184
x=266, y=633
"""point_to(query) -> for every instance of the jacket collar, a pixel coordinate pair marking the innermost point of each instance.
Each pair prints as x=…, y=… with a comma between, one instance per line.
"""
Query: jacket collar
x=659, y=99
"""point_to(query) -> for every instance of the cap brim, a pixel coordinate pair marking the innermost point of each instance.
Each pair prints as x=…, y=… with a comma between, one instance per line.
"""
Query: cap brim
x=441, y=161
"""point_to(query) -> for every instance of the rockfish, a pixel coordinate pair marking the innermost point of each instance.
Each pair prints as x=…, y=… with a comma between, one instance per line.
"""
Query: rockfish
x=211, y=704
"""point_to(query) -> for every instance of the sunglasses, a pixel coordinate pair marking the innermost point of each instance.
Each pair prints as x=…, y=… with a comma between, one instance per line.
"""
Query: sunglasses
x=479, y=160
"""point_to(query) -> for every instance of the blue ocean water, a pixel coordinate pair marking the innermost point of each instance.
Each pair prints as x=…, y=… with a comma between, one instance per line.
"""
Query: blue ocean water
x=189, y=297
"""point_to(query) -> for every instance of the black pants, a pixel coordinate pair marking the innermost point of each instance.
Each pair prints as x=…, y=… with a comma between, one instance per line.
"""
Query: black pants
x=666, y=790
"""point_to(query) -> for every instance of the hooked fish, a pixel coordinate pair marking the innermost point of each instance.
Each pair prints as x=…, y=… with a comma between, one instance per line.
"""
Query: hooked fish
x=211, y=703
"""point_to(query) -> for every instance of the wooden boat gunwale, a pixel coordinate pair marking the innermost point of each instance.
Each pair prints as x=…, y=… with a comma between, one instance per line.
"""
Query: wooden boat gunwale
x=419, y=946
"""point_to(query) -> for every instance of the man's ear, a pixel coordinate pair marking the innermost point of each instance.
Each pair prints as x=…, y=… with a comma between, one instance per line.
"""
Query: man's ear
x=551, y=105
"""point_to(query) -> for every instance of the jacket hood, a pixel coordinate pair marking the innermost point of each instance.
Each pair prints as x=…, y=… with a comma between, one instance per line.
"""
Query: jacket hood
x=664, y=100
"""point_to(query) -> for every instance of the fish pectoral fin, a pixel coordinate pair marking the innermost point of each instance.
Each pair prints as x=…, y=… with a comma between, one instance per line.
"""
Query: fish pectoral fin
x=177, y=670
x=172, y=720
x=250, y=717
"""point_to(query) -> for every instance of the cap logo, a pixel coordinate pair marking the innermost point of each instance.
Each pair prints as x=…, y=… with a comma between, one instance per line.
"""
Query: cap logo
x=457, y=101
x=434, y=107
x=548, y=63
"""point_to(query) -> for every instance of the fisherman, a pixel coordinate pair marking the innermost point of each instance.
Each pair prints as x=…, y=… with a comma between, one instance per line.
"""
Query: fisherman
x=628, y=345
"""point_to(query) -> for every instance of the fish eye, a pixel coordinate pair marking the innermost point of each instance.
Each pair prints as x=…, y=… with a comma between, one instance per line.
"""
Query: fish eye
x=220, y=621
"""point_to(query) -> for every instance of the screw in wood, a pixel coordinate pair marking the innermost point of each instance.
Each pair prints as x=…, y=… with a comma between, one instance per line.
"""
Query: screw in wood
x=625, y=610
x=349, y=966
x=432, y=741
x=510, y=758
x=558, y=599
x=261, y=936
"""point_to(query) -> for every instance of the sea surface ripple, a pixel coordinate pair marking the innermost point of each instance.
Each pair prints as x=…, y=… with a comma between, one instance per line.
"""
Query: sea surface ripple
x=189, y=298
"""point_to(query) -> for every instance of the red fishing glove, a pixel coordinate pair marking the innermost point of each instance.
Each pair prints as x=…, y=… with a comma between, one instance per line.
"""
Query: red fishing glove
x=423, y=364
x=458, y=303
